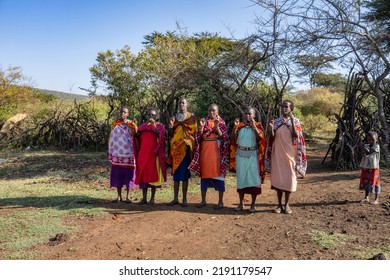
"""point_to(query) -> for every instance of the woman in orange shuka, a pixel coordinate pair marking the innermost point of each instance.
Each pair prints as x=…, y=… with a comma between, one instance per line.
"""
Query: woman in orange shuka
x=210, y=158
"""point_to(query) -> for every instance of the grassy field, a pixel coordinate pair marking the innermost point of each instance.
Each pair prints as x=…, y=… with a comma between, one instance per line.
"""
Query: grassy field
x=40, y=189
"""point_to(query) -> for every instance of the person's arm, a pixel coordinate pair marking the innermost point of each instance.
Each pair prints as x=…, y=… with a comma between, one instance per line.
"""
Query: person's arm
x=255, y=130
x=217, y=128
x=294, y=130
x=170, y=127
x=271, y=130
x=233, y=136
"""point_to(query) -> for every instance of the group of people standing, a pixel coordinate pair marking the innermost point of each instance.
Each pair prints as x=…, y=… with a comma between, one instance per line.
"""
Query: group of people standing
x=137, y=155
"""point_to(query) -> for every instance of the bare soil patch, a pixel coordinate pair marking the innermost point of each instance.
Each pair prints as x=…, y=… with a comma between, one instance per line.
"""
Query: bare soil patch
x=326, y=201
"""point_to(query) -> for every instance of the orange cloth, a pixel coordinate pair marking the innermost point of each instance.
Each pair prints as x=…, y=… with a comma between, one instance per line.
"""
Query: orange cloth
x=182, y=139
x=210, y=164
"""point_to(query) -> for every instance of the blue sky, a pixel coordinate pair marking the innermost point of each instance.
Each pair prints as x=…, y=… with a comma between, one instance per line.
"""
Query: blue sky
x=56, y=42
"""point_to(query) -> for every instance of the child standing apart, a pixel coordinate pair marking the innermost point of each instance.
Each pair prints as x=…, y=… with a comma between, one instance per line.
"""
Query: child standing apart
x=369, y=178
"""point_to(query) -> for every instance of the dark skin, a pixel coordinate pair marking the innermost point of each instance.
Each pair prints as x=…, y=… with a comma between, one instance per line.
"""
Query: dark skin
x=183, y=104
x=213, y=114
x=249, y=119
x=152, y=116
x=288, y=116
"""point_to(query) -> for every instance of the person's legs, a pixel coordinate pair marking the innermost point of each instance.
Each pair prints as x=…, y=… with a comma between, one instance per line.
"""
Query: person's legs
x=175, y=193
x=287, y=208
x=185, y=190
x=376, y=201
x=240, y=205
x=119, y=192
x=144, y=196
x=220, y=201
x=203, y=202
x=128, y=200
x=253, y=207
x=366, y=196
x=153, y=193
x=279, y=209
x=220, y=198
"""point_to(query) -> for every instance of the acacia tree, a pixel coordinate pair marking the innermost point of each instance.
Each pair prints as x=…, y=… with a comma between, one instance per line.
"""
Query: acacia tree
x=311, y=65
x=339, y=29
x=115, y=72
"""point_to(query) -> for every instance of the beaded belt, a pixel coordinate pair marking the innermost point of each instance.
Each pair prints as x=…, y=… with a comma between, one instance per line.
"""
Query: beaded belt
x=210, y=139
x=246, y=148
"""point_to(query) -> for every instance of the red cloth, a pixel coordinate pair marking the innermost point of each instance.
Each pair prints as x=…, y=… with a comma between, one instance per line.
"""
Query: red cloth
x=369, y=178
x=149, y=147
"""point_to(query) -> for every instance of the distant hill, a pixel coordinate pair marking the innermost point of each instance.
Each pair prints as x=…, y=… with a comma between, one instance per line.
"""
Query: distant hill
x=62, y=95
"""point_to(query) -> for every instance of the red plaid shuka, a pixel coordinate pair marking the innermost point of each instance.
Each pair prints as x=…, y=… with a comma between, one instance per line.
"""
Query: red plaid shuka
x=300, y=159
x=194, y=165
x=261, y=145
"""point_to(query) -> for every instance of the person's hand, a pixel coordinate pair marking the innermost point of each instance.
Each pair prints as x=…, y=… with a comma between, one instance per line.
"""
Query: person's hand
x=291, y=115
x=202, y=122
x=236, y=122
x=252, y=122
x=152, y=122
x=271, y=125
x=216, y=123
x=171, y=122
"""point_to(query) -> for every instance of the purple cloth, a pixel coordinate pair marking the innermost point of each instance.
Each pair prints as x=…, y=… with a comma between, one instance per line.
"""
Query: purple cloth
x=218, y=185
x=120, y=177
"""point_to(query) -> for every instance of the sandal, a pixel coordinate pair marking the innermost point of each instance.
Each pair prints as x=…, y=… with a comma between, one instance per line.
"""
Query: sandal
x=278, y=210
x=200, y=205
x=252, y=210
x=142, y=202
x=173, y=202
x=150, y=202
x=238, y=208
x=184, y=204
x=288, y=210
x=218, y=206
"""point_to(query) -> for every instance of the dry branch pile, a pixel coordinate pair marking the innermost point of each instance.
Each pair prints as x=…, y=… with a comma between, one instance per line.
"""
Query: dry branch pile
x=358, y=115
x=74, y=129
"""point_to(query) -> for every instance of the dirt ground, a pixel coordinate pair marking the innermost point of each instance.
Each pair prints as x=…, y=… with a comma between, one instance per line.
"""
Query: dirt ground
x=326, y=201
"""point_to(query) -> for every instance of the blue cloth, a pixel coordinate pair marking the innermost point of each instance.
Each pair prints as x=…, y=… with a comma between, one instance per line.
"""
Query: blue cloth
x=206, y=183
x=182, y=173
x=247, y=165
